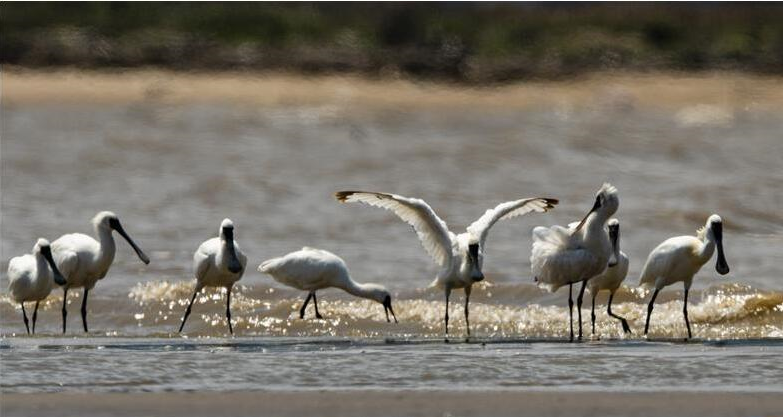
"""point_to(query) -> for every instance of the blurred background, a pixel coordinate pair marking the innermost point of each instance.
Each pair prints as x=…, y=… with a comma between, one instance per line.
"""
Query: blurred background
x=177, y=115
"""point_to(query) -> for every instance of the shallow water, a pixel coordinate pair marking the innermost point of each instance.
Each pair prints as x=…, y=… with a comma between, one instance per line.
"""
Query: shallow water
x=172, y=172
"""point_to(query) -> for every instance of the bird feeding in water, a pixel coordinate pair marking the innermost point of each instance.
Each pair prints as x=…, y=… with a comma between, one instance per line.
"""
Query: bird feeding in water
x=30, y=278
x=82, y=260
x=460, y=256
x=218, y=262
x=612, y=277
x=679, y=259
x=566, y=256
x=311, y=269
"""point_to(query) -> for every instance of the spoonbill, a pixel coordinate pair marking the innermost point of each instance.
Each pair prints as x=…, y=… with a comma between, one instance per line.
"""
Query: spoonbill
x=563, y=256
x=84, y=260
x=311, y=269
x=679, y=259
x=460, y=256
x=612, y=276
x=218, y=262
x=30, y=278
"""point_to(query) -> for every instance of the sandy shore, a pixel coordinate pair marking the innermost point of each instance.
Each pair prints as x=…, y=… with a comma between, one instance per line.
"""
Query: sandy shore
x=395, y=403
x=731, y=91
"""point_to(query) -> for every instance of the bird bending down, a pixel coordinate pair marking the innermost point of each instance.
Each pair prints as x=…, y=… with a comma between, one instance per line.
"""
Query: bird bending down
x=30, y=278
x=679, y=259
x=563, y=256
x=218, y=262
x=611, y=278
x=459, y=256
x=82, y=260
x=311, y=269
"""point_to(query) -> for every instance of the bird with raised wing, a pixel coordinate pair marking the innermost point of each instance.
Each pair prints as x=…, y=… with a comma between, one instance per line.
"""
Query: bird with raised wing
x=218, y=262
x=83, y=261
x=678, y=259
x=31, y=277
x=311, y=269
x=460, y=257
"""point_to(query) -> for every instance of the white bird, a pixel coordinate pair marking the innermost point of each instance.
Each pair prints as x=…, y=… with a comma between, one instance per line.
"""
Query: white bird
x=218, y=262
x=612, y=277
x=563, y=256
x=83, y=260
x=460, y=256
x=679, y=259
x=30, y=278
x=313, y=269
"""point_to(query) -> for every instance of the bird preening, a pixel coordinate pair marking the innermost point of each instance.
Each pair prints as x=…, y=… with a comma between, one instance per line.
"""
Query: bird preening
x=586, y=252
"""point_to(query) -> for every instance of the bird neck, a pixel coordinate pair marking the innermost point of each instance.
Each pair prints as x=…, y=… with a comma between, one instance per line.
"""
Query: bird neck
x=355, y=288
x=106, y=246
x=708, y=246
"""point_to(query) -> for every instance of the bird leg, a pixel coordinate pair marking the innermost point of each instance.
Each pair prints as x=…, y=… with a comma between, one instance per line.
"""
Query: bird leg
x=446, y=318
x=315, y=303
x=579, y=306
x=228, y=310
x=571, y=310
x=685, y=312
x=626, y=328
x=649, y=311
x=467, y=301
x=187, y=311
x=592, y=312
x=35, y=315
x=307, y=300
x=84, y=309
x=24, y=316
x=65, y=303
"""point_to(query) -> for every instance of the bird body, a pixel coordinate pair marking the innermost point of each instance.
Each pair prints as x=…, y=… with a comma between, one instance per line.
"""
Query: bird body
x=311, y=269
x=460, y=257
x=31, y=277
x=565, y=256
x=83, y=260
x=612, y=277
x=218, y=262
x=679, y=258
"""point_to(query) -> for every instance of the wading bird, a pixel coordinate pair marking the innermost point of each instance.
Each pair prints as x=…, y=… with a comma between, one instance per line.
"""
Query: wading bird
x=612, y=276
x=30, y=278
x=679, y=259
x=218, y=262
x=313, y=269
x=459, y=256
x=563, y=256
x=83, y=260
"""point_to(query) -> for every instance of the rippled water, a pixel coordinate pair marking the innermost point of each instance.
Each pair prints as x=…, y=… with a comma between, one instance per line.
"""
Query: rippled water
x=172, y=172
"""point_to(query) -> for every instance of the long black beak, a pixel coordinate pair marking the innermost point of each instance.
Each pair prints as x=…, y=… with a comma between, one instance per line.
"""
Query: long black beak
x=233, y=262
x=58, y=277
x=721, y=265
x=387, y=307
x=582, y=223
x=614, y=234
x=115, y=224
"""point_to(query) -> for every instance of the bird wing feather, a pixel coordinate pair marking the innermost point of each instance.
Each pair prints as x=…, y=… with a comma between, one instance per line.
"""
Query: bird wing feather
x=510, y=209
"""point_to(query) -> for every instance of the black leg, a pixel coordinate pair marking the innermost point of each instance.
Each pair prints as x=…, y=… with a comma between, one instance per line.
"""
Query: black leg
x=35, y=315
x=65, y=303
x=685, y=312
x=626, y=327
x=24, y=316
x=571, y=310
x=84, y=309
x=228, y=310
x=649, y=311
x=187, y=311
x=446, y=318
x=315, y=303
x=592, y=312
x=304, y=306
x=467, y=301
x=579, y=306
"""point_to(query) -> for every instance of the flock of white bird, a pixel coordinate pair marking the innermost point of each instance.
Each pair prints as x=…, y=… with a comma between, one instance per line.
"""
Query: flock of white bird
x=587, y=252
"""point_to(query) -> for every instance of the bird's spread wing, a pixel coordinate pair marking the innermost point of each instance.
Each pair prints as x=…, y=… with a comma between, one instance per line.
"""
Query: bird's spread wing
x=432, y=231
x=510, y=209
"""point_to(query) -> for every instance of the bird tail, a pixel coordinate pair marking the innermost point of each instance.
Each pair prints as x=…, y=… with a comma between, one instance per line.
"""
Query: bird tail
x=268, y=266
